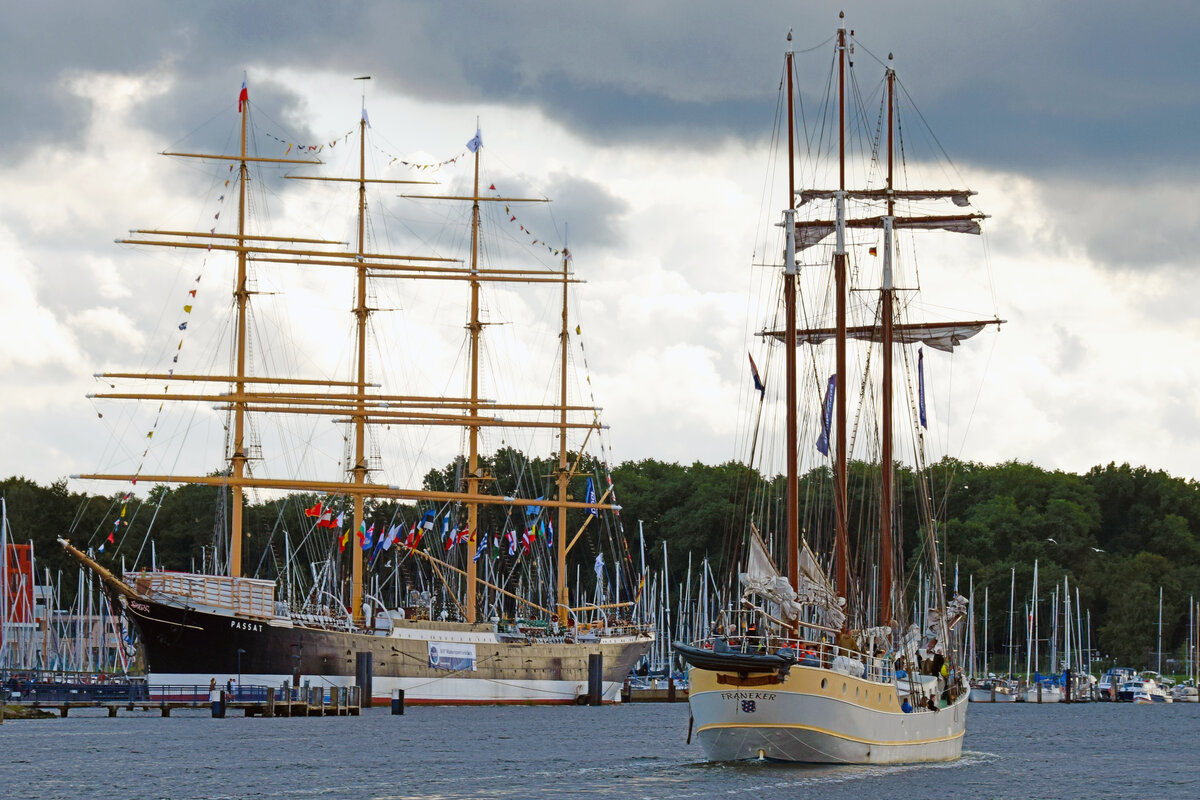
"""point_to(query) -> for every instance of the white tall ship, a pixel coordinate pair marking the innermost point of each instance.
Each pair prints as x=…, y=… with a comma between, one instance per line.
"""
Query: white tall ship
x=850, y=655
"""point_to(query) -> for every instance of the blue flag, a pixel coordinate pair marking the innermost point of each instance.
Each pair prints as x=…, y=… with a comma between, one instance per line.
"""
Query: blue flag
x=533, y=511
x=921, y=385
x=476, y=142
x=827, y=416
x=591, y=497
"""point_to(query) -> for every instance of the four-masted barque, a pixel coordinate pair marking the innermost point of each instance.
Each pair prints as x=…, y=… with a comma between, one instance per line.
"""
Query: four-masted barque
x=828, y=663
x=494, y=639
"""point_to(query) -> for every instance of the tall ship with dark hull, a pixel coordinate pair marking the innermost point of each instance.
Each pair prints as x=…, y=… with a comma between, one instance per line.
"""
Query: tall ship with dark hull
x=453, y=589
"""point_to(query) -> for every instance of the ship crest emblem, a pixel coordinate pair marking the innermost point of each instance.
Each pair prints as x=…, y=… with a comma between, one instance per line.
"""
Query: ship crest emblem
x=748, y=706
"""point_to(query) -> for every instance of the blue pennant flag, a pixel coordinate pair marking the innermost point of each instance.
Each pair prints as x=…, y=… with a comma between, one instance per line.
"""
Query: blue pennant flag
x=483, y=542
x=476, y=142
x=921, y=385
x=591, y=497
x=827, y=416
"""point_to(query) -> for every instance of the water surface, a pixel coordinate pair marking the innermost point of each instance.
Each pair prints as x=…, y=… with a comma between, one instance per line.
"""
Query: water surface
x=636, y=751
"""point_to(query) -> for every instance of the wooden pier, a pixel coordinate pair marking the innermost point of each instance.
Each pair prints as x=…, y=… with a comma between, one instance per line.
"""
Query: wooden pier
x=659, y=691
x=252, y=701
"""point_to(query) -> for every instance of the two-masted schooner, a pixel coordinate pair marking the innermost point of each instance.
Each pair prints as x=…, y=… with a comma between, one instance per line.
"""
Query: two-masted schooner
x=828, y=662
x=531, y=643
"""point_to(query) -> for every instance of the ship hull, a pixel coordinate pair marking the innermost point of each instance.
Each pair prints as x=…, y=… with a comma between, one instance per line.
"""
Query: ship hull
x=190, y=647
x=815, y=715
x=1049, y=694
x=988, y=695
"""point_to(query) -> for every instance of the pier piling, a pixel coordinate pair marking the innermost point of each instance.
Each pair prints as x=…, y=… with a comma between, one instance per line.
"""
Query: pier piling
x=362, y=675
x=595, y=679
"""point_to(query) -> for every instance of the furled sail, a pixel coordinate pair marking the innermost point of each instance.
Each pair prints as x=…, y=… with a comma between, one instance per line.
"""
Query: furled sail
x=762, y=578
x=960, y=197
x=945, y=336
x=941, y=624
x=811, y=232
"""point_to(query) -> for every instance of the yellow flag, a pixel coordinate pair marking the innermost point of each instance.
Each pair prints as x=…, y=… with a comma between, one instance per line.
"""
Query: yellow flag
x=187, y=309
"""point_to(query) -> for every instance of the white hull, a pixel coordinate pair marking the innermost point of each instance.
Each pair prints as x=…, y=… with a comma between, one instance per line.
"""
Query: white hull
x=445, y=691
x=986, y=696
x=1050, y=694
x=848, y=721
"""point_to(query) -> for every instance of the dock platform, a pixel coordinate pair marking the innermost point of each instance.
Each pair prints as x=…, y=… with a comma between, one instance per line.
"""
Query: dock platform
x=252, y=701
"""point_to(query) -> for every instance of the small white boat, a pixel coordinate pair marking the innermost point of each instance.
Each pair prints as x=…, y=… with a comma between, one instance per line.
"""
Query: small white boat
x=1185, y=693
x=1044, y=692
x=993, y=690
x=1110, y=682
x=1144, y=691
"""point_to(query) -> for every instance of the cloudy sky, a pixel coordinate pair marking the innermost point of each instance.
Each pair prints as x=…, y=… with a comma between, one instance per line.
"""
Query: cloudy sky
x=648, y=125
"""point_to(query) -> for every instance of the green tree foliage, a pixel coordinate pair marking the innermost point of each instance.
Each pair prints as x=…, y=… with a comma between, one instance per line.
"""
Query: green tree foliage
x=1118, y=532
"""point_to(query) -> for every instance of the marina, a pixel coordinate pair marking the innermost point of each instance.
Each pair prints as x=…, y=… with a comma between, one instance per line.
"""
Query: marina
x=665, y=402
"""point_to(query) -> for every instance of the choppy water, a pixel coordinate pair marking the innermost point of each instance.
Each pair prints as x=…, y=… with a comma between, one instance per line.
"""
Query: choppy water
x=635, y=751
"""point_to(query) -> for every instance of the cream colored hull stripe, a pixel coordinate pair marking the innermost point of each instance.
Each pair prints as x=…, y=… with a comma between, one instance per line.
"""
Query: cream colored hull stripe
x=815, y=729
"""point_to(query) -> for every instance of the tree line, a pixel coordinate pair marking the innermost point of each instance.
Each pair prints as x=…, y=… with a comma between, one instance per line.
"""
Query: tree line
x=1118, y=532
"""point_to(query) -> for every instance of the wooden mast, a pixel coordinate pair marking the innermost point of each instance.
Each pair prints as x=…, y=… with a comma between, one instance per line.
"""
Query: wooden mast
x=841, y=542
x=250, y=395
x=240, y=294
x=361, y=312
x=562, y=594
x=887, y=294
x=472, y=410
x=789, y=302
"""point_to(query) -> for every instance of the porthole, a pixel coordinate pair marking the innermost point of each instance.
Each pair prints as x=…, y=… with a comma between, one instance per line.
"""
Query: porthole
x=824, y=682
x=855, y=692
x=843, y=688
x=889, y=699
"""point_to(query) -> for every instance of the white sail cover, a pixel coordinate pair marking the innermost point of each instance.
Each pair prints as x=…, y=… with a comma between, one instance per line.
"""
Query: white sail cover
x=940, y=625
x=943, y=336
x=939, y=337
x=812, y=232
x=960, y=197
x=763, y=579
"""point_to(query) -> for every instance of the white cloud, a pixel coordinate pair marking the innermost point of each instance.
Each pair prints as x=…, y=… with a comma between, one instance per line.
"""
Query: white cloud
x=1095, y=363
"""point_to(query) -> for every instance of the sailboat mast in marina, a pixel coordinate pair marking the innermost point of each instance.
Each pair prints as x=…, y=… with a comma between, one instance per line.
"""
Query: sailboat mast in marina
x=822, y=664
x=198, y=626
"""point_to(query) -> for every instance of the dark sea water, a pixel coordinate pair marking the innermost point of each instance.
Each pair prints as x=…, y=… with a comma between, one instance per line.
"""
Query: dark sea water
x=635, y=751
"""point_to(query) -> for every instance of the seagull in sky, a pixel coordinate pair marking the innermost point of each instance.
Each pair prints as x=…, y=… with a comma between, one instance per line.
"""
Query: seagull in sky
x=1097, y=549
x=1051, y=540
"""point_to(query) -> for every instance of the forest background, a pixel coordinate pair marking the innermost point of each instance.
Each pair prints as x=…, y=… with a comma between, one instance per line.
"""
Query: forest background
x=1120, y=533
